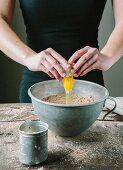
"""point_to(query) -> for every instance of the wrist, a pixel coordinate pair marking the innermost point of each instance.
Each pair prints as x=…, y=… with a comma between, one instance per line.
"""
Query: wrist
x=26, y=57
x=111, y=54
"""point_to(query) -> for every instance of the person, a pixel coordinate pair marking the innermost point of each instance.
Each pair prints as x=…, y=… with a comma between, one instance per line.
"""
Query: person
x=60, y=34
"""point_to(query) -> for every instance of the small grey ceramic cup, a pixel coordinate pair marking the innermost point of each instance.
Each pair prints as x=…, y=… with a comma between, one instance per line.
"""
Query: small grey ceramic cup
x=33, y=142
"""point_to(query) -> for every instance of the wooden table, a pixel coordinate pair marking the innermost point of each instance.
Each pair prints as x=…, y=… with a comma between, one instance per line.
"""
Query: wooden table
x=99, y=147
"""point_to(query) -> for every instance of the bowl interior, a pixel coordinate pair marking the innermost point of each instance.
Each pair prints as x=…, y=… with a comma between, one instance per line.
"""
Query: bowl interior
x=83, y=88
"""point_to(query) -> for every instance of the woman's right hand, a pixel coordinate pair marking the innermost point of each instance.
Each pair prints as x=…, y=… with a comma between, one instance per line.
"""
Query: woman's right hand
x=48, y=61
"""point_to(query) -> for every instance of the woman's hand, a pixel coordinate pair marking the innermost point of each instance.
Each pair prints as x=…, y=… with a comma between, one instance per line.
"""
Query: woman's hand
x=88, y=59
x=48, y=61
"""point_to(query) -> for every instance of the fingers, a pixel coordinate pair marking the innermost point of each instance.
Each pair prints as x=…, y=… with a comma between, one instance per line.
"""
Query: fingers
x=83, y=59
x=49, y=62
x=58, y=57
x=78, y=54
x=88, y=64
x=92, y=67
x=56, y=65
x=51, y=69
x=45, y=70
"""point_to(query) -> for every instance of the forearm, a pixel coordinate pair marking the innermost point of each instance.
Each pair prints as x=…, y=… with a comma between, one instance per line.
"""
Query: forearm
x=11, y=45
x=114, y=45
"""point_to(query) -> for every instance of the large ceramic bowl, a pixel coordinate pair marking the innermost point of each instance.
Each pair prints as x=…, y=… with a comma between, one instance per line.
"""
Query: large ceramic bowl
x=68, y=120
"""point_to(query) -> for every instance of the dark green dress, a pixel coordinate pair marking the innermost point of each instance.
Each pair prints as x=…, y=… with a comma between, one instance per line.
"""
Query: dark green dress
x=64, y=25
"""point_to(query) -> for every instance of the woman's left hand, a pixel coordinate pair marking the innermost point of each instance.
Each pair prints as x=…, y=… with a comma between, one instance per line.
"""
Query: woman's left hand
x=88, y=59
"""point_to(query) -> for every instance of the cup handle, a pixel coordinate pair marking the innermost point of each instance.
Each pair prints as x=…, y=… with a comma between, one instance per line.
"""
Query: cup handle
x=110, y=111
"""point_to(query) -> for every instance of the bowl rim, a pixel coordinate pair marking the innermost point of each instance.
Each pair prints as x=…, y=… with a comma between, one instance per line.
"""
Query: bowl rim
x=68, y=105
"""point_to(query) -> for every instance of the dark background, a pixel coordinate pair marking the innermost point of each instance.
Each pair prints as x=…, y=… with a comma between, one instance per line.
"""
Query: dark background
x=10, y=71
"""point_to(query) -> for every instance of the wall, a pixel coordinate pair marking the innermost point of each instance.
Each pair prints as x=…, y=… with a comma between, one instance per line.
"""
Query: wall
x=10, y=72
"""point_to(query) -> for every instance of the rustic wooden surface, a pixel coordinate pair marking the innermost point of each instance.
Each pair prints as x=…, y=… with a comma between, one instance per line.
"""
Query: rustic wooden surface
x=99, y=147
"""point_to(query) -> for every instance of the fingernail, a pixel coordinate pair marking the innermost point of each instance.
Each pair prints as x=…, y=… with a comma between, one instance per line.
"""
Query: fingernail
x=60, y=79
x=75, y=75
x=68, y=65
x=63, y=75
x=57, y=77
x=72, y=71
x=71, y=67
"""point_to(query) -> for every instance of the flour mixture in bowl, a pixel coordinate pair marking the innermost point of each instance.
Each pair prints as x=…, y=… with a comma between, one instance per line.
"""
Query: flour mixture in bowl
x=74, y=99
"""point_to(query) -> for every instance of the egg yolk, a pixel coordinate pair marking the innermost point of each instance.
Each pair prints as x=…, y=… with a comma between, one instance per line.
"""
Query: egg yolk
x=68, y=82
